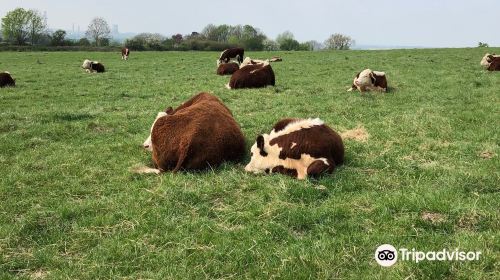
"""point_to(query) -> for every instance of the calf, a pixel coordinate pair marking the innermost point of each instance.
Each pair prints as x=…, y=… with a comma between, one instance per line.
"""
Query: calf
x=228, y=54
x=200, y=133
x=297, y=147
x=125, y=53
x=93, y=66
x=252, y=76
x=6, y=80
x=227, y=68
x=487, y=59
x=367, y=80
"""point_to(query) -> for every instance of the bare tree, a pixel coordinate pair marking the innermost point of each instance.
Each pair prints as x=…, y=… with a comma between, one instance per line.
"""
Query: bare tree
x=339, y=42
x=98, y=30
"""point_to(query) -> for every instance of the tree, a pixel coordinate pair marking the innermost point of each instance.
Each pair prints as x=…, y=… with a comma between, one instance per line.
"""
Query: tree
x=36, y=25
x=84, y=42
x=315, y=45
x=482, y=45
x=98, y=30
x=270, y=45
x=15, y=26
x=19, y=25
x=58, y=37
x=285, y=36
x=339, y=41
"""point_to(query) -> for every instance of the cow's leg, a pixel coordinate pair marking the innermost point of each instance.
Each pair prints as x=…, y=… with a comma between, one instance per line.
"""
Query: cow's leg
x=285, y=171
x=318, y=166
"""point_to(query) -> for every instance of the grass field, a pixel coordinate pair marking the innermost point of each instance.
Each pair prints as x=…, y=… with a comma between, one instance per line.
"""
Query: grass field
x=427, y=177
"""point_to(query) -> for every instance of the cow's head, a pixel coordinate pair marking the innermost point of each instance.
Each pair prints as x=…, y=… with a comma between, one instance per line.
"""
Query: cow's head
x=366, y=78
x=264, y=157
x=487, y=59
x=86, y=64
x=148, y=145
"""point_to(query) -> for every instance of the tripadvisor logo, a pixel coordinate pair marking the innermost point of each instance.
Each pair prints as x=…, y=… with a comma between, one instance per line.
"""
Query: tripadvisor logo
x=386, y=255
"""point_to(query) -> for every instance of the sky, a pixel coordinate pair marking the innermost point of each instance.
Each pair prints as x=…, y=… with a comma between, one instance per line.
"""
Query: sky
x=420, y=23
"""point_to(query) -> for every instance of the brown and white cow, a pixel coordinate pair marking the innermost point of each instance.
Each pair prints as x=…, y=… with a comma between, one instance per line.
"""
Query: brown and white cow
x=490, y=62
x=227, y=68
x=228, y=54
x=93, y=66
x=252, y=76
x=297, y=147
x=6, y=80
x=125, y=53
x=368, y=80
x=201, y=133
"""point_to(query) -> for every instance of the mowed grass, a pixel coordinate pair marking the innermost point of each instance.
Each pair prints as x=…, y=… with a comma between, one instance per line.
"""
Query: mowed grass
x=426, y=178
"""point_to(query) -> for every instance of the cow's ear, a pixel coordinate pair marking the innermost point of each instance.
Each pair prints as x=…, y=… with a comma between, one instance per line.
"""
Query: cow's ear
x=357, y=75
x=372, y=77
x=260, y=145
x=169, y=110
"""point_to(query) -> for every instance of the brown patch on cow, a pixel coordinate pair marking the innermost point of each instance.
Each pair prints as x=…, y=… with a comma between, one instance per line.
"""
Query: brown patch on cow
x=433, y=218
x=380, y=81
x=487, y=154
x=200, y=133
x=358, y=134
x=494, y=63
x=227, y=68
x=285, y=171
x=318, y=141
x=283, y=123
x=6, y=80
x=253, y=76
x=318, y=167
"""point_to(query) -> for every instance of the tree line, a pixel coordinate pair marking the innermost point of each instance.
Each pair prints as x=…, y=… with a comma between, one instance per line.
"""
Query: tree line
x=21, y=27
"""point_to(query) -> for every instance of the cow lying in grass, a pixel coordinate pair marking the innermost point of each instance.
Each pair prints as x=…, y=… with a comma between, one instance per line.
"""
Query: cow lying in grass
x=368, y=80
x=6, y=80
x=488, y=59
x=227, y=68
x=93, y=66
x=199, y=134
x=252, y=76
x=297, y=147
x=491, y=62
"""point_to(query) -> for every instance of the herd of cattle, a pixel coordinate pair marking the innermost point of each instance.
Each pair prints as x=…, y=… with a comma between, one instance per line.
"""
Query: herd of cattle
x=202, y=133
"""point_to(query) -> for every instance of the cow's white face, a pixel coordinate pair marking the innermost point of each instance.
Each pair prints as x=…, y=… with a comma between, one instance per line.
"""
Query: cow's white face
x=86, y=64
x=148, y=145
x=365, y=79
x=264, y=157
x=486, y=60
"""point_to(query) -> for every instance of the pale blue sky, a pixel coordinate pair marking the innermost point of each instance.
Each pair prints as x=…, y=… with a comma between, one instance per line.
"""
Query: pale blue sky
x=429, y=23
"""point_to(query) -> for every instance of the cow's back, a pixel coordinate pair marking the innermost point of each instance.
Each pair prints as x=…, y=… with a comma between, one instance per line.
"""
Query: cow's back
x=253, y=76
x=205, y=133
